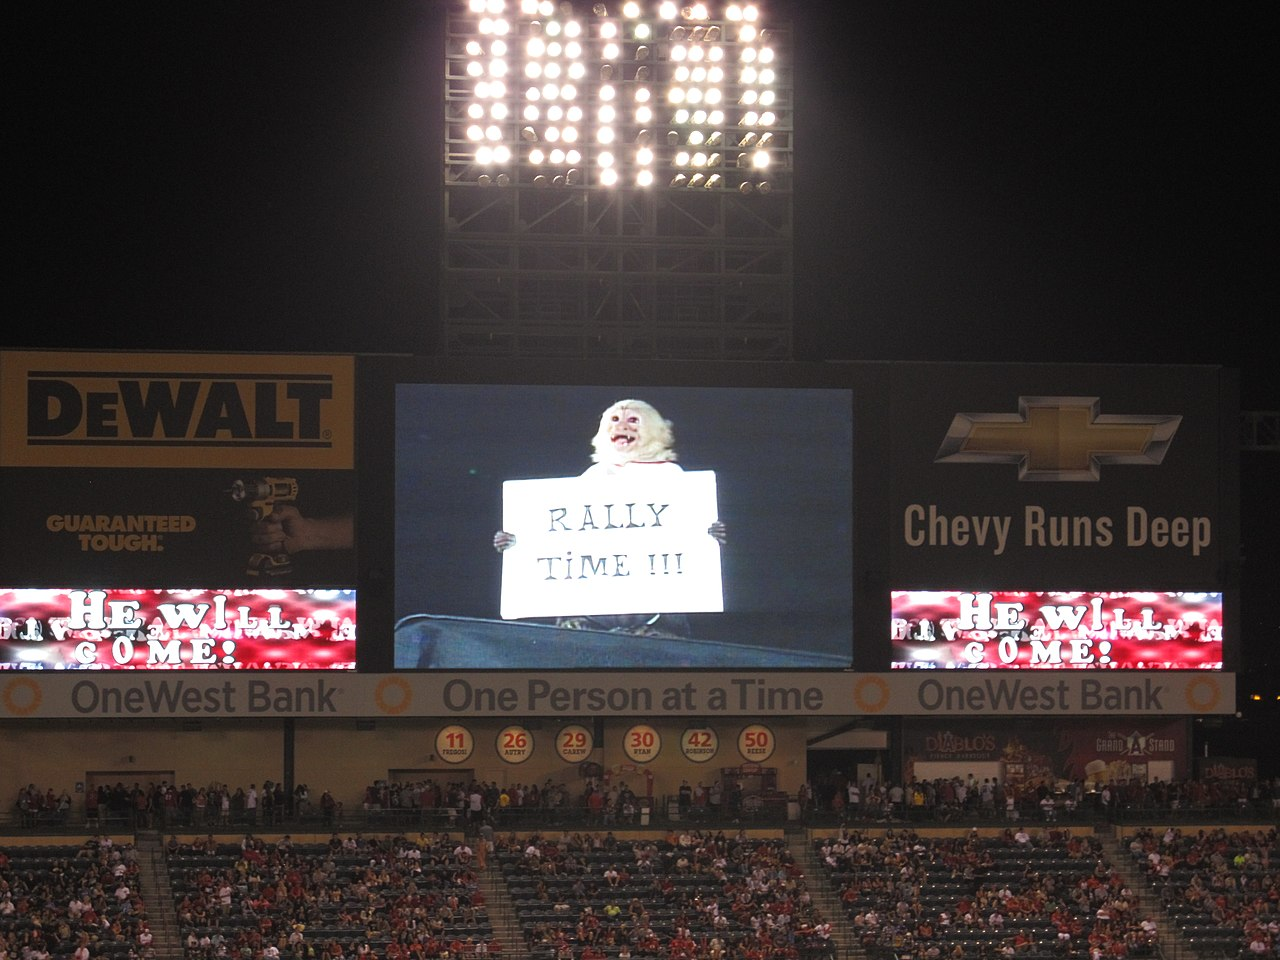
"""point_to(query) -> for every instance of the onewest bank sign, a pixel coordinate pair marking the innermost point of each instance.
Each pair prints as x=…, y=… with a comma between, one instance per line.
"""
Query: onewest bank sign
x=95, y=694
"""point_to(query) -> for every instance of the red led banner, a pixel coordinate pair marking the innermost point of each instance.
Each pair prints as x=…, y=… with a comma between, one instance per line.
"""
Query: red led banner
x=177, y=629
x=958, y=629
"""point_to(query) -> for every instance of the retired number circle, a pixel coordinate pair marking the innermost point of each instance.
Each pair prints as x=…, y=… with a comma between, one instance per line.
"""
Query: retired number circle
x=515, y=744
x=574, y=743
x=641, y=743
x=755, y=743
x=454, y=744
x=699, y=744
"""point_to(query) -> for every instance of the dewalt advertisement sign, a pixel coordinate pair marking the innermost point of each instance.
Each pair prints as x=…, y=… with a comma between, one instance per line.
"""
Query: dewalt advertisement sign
x=166, y=470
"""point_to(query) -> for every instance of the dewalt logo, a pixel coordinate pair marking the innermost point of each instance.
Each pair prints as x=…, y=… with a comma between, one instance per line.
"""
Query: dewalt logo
x=176, y=410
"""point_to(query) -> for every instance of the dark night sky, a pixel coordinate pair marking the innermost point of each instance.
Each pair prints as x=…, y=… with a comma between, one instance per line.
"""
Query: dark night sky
x=992, y=179
x=976, y=179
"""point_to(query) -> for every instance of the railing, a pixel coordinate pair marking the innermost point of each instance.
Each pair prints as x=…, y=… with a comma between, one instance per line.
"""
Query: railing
x=576, y=817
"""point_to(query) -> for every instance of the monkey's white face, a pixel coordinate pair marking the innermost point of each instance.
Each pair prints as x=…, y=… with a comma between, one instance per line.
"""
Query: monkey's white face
x=626, y=430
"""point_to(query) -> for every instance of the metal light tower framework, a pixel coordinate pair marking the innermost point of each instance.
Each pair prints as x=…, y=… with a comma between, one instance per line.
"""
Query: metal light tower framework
x=617, y=181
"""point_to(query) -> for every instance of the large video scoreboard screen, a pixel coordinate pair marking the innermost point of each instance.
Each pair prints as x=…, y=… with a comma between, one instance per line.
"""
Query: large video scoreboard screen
x=542, y=526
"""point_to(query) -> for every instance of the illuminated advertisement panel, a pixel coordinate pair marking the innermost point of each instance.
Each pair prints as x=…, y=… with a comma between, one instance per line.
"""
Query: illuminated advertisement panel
x=548, y=526
x=165, y=470
x=177, y=629
x=958, y=629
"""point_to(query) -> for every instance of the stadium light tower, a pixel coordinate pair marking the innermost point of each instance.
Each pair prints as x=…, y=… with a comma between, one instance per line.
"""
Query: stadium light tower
x=617, y=180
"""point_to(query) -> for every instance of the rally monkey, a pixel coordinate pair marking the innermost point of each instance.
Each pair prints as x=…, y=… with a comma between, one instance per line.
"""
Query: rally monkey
x=634, y=439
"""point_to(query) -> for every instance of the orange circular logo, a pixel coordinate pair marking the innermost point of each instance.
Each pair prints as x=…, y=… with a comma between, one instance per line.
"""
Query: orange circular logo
x=1203, y=694
x=22, y=696
x=398, y=702
x=871, y=694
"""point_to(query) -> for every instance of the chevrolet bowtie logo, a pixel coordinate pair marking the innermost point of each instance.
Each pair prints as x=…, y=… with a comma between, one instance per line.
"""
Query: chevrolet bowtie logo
x=1057, y=438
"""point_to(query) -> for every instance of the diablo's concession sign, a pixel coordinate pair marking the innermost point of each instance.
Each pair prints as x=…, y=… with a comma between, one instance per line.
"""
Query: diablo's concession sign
x=611, y=545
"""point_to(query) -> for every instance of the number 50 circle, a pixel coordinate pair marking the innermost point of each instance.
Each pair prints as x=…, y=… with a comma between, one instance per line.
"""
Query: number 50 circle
x=756, y=742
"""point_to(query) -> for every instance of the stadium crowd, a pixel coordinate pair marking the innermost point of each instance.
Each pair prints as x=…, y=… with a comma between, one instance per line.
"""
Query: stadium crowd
x=393, y=898
x=72, y=902
x=1040, y=893
x=1018, y=895
x=687, y=896
x=1218, y=886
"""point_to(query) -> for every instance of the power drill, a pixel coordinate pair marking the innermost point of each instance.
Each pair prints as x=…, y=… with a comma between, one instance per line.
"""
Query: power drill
x=261, y=496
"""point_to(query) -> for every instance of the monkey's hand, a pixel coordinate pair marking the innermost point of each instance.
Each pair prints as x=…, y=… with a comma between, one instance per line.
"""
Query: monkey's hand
x=719, y=533
x=503, y=541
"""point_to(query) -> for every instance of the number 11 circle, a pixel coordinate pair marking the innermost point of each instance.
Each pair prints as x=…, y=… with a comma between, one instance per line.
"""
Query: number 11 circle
x=454, y=744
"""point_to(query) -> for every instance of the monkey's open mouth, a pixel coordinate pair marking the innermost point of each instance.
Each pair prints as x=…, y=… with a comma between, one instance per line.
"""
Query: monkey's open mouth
x=624, y=439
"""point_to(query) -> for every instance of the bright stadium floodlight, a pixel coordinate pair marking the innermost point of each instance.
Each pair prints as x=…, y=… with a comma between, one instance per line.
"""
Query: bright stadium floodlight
x=685, y=72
